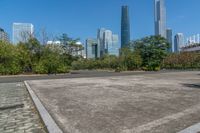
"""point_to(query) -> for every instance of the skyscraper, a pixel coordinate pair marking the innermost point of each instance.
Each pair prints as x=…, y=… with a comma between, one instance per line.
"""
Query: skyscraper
x=160, y=18
x=22, y=32
x=125, y=27
x=107, y=40
x=91, y=48
x=113, y=49
x=3, y=35
x=108, y=43
x=178, y=42
x=169, y=39
x=101, y=47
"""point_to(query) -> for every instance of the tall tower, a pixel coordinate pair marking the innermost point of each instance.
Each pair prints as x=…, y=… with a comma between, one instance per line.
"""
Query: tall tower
x=178, y=42
x=125, y=27
x=160, y=18
x=101, y=47
x=169, y=39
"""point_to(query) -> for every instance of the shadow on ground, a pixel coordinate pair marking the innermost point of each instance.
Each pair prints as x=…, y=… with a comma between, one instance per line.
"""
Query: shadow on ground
x=196, y=86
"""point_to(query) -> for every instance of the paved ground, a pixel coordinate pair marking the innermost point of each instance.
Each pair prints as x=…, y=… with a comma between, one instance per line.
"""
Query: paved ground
x=151, y=103
x=17, y=113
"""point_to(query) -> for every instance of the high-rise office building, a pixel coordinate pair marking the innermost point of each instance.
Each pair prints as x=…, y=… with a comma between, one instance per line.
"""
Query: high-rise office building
x=108, y=43
x=178, y=42
x=113, y=48
x=3, y=35
x=91, y=48
x=160, y=18
x=22, y=32
x=125, y=27
x=169, y=39
x=101, y=47
x=107, y=40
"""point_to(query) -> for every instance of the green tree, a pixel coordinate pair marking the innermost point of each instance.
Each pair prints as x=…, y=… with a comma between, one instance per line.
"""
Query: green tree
x=70, y=45
x=153, y=50
x=9, y=63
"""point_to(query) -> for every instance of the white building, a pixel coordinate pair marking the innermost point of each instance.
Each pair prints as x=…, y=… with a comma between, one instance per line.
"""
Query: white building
x=178, y=42
x=22, y=32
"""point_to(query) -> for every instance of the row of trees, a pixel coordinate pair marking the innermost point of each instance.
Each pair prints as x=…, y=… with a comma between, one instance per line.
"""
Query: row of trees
x=185, y=60
x=33, y=57
x=148, y=53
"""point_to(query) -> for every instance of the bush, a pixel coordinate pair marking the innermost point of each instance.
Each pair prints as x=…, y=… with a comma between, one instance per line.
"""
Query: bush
x=184, y=60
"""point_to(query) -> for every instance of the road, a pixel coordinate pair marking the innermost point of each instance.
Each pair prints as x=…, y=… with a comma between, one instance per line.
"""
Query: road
x=75, y=74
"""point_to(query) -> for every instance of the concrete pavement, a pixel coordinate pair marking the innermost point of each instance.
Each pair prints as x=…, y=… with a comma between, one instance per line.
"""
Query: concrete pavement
x=145, y=103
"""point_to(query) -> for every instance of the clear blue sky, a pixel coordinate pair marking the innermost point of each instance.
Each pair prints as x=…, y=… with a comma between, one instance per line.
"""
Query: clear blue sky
x=82, y=18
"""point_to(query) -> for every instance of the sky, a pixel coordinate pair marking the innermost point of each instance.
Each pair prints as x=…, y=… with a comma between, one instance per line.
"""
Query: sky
x=82, y=18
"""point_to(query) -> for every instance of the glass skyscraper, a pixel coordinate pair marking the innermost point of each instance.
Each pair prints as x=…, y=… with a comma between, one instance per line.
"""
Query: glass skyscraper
x=169, y=39
x=108, y=43
x=113, y=48
x=178, y=42
x=107, y=40
x=22, y=32
x=125, y=27
x=160, y=18
x=101, y=47
x=91, y=48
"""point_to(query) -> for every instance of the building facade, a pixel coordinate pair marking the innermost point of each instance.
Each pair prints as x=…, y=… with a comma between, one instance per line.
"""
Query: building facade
x=3, y=35
x=101, y=47
x=125, y=27
x=160, y=17
x=170, y=40
x=107, y=40
x=113, y=49
x=22, y=32
x=91, y=48
x=107, y=43
x=178, y=42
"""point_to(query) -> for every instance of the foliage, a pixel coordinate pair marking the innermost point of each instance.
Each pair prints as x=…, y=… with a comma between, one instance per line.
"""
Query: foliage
x=50, y=62
x=149, y=53
x=153, y=50
x=9, y=62
x=70, y=45
x=183, y=60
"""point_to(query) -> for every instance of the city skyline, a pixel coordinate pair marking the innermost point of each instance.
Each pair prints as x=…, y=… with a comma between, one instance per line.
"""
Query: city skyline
x=108, y=18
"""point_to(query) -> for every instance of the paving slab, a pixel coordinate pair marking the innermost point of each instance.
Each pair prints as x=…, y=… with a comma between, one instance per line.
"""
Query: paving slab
x=153, y=103
x=17, y=111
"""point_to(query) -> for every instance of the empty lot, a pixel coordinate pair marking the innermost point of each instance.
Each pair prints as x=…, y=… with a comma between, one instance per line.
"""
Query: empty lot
x=146, y=103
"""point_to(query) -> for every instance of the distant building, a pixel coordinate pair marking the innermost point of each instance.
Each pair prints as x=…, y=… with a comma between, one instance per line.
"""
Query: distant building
x=170, y=40
x=22, y=32
x=113, y=49
x=101, y=47
x=178, y=42
x=91, y=48
x=3, y=35
x=160, y=18
x=125, y=27
x=107, y=43
x=107, y=40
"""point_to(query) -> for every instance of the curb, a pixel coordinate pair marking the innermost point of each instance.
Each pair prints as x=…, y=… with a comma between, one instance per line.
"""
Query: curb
x=193, y=129
x=50, y=124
